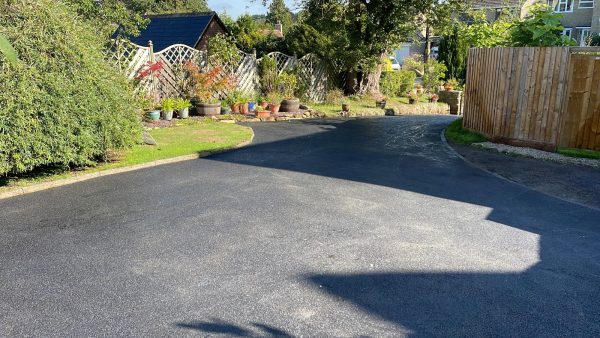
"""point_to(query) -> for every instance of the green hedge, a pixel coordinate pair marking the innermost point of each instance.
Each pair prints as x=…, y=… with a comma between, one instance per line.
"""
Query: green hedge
x=61, y=104
x=397, y=83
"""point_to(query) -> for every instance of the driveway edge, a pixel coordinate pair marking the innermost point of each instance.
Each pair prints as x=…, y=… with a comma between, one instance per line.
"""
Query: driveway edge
x=447, y=144
x=18, y=191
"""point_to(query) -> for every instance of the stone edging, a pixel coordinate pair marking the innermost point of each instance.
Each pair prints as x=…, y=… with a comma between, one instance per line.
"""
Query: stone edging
x=18, y=191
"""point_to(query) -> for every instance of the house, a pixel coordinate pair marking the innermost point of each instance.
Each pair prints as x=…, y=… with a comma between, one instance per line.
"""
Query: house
x=189, y=29
x=580, y=17
x=276, y=31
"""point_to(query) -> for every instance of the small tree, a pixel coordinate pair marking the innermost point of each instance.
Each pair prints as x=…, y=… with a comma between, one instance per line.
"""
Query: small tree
x=267, y=70
x=453, y=52
x=222, y=51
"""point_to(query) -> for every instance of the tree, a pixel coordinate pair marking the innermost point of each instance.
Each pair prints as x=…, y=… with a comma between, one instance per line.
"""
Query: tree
x=110, y=15
x=278, y=12
x=436, y=17
x=247, y=33
x=303, y=39
x=362, y=31
x=454, y=52
x=169, y=6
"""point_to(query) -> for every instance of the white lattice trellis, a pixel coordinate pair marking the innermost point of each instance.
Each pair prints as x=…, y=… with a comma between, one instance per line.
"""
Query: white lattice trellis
x=131, y=59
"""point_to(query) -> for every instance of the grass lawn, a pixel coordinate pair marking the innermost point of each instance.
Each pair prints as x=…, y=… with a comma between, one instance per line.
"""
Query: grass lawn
x=186, y=137
x=579, y=153
x=456, y=134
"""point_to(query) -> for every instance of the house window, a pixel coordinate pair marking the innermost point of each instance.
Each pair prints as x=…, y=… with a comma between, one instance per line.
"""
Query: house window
x=568, y=32
x=586, y=3
x=562, y=5
x=584, y=34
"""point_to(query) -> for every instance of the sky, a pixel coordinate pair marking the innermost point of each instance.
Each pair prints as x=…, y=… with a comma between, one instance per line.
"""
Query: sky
x=236, y=8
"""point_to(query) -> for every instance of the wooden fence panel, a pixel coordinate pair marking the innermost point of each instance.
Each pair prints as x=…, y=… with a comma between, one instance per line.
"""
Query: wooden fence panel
x=514, y=95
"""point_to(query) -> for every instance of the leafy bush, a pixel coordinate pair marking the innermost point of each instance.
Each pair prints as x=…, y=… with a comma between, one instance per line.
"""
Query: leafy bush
x=454, y=52
x=397, y=83
x=61, y=104
x=542, y=28
x=287, y=84
x=433, y=74
x=222, y=51
x=334, y=96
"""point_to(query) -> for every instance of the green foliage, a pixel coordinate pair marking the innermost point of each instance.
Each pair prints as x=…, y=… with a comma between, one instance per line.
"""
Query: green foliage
x=334, y=96
x=303, y=39
x=278, y=12
x=274, y=97
x=433, y=74
x=397, y=83
x=168, y=104
x=169, y=6
x=287, y=84
x=593, y=40
x=583, y=153
x=267, y=70
x=182, y=104
x=7, y=50
x=454, y=52
x=482, y=33
x=108, y=15
x=222, y=51
x=542, y=28
x=62, y=105
x=247, y=33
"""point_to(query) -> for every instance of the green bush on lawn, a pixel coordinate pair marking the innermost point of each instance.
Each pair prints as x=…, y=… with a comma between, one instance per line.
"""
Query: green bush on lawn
x=397, y=83
x=61, y=104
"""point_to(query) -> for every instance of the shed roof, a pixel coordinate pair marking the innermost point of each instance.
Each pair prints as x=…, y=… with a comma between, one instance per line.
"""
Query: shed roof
x=167, y=30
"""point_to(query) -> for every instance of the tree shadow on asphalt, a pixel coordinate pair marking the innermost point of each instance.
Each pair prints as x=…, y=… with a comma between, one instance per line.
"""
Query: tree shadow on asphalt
x=220, y=327
x=559, y=296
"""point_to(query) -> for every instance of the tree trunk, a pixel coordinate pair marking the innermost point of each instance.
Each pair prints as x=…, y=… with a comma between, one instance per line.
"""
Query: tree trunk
x=369, y=84
x=427, y=43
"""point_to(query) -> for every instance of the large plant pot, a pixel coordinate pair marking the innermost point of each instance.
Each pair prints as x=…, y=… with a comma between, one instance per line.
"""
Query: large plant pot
x=274, y=108
x=153, y=115
x=244, y=108
x=209, y=109
x=168, y=115
x=290, y=106
x=235, y=108
x=184, y=113
x=263, y=114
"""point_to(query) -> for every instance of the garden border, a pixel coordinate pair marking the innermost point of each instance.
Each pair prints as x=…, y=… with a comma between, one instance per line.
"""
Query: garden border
x=36, y=187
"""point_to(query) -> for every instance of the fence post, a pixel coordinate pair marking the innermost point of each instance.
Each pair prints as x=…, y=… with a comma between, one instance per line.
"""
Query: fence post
x=151, y=52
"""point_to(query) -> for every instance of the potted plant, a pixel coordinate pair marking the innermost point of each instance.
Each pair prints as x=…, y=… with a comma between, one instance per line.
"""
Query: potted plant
x=434, y=98
x=419, y=89
x=183, y=108
x=345, y=106
x=412, y=97
x=262, y=101
x=274, y=102
x=225, y=107
x=168, y=105
x=153, y=115
x=207, y=85
x=450, y=84
x=243, y=102
x=381, y=102
x=287, y=84
x=263, y=114
x=233, y=102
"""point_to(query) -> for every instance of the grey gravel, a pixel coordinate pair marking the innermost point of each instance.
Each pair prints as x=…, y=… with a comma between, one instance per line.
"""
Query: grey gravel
x=538, y=154
x=321, y=228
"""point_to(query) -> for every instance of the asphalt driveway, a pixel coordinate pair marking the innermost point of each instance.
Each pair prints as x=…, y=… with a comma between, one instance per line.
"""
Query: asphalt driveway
x=342, y=228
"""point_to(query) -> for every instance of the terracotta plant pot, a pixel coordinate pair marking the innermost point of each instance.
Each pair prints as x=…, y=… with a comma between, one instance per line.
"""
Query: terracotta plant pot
x=290, y=106
x=235, y=108
x=209, y=109
x=244, y=108
x=345, y=107
x=274, y=108
x=264, y=104
x=263, y=114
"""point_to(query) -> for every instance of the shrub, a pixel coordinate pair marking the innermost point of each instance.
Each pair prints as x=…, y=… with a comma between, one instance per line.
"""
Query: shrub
x=334, y=96
x=287, y=84
x=222, y=51
x=433, y=74
x=62, y=104
x=397, y=83
x=542, y=28
x=267, y=70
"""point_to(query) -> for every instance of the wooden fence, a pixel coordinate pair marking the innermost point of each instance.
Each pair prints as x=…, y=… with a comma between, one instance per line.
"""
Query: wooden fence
x=131, y=58
x=538, y=97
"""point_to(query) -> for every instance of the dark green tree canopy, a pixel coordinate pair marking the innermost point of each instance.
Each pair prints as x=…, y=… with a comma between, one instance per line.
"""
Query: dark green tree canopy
x=278, y=12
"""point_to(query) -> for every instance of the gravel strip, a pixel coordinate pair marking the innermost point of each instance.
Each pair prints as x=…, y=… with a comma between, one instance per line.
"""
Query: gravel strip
x=538, y=154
